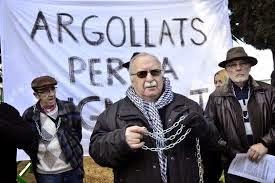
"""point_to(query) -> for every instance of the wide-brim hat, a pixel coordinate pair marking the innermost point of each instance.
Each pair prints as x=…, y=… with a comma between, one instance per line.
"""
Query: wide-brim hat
x=127, y=64
x=43, y=82
x=237, y=53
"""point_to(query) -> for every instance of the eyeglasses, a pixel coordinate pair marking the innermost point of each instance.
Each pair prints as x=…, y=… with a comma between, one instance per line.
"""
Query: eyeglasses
x=235, y=64
x=46, y=91
x=143, y=74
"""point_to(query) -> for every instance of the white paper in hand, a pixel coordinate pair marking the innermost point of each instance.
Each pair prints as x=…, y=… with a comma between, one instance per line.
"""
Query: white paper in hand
x=262, y=171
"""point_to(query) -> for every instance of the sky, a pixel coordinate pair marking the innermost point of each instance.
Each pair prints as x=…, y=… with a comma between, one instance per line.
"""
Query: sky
x=263, y=69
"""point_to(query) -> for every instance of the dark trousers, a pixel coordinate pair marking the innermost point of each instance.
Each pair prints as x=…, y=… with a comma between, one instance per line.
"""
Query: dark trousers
x=66, y=177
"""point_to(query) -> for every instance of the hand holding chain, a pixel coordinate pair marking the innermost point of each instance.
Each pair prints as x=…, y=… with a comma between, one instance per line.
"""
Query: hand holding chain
x=160, y=136
x=170, y=146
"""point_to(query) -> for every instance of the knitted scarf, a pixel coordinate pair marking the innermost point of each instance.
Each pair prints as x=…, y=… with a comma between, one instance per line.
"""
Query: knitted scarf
x=150, y=111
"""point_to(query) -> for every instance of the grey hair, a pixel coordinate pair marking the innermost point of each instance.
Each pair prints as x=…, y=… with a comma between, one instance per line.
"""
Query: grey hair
x=139, y=55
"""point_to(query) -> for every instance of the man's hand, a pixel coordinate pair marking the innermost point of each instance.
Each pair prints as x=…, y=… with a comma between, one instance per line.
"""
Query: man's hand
x=134, y=136
x=256, y=152
x=197, y=122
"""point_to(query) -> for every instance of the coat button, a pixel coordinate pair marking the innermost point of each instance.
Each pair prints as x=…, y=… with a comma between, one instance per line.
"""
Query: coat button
x=154, y=166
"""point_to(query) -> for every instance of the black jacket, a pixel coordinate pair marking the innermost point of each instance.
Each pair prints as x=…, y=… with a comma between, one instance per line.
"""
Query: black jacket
x=226, y=112
x=14, y=132
x=69, y=134
x=108, y=146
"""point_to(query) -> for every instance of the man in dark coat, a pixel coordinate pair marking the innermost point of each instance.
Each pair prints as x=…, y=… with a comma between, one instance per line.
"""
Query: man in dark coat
x=13, y=133
x=56, y=152
x=244, y=111
x=150, y=135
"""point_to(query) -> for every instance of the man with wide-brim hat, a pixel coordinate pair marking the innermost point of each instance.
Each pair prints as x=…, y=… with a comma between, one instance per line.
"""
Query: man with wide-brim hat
x=238, y=65
x=243, y=110
x=237, y=53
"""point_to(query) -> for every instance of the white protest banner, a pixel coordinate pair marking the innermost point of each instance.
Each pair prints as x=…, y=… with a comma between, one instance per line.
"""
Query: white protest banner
x=84, y=43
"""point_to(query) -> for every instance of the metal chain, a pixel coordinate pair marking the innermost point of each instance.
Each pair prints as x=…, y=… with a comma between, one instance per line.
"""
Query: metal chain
x=200, y=165
x=40, y=132
x=171, y=128
x=170, y=146
x=162, y=138
x=159, y=136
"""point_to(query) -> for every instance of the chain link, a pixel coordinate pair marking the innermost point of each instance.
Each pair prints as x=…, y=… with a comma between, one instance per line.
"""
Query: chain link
x=40, y=132
x=170, y=146
x=172, y=127
x=160, y=136
x=200, y=165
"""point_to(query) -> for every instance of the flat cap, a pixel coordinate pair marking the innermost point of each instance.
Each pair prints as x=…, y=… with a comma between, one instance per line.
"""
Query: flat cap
x=43, y=82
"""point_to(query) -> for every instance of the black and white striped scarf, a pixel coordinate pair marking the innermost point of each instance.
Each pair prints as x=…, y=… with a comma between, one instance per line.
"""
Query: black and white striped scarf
x=150, y=111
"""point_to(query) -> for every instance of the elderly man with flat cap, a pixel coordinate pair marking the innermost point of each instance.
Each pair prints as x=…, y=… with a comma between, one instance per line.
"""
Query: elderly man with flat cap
x=56, y=153
x=152, y=134
x=243, y=111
